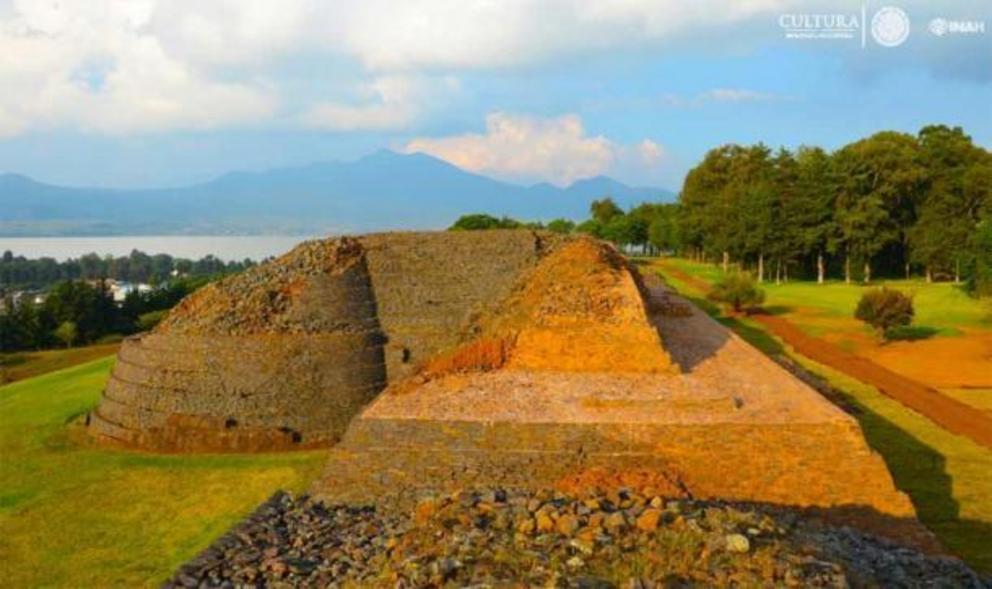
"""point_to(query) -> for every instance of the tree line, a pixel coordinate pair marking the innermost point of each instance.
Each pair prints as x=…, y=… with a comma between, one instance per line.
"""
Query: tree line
x=19, y=272
x=892, y=204
x=76, y=312
x=649, y=227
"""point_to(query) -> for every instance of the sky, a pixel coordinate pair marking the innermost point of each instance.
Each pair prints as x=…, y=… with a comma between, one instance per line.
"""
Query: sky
x=147, y=93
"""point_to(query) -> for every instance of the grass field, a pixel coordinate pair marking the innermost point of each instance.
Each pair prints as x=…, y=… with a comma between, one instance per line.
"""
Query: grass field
x=955, y=349
x=21, y=365
x=74, y=514
x=943, y=306
x=947, y=476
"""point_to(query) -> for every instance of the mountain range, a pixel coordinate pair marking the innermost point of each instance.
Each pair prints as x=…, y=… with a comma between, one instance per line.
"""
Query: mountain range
x=382, y=191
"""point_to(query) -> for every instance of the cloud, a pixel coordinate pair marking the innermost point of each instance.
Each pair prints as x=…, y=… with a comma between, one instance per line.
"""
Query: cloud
x=88, y=65
x=735, y=95
x=528, y=148
x=389, y=103
x=135, y=66
x=386, y=35
x=140, y=66
x=719, y=95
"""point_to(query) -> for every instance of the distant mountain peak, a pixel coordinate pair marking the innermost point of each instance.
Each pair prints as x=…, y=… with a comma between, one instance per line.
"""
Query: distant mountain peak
x=383, y=190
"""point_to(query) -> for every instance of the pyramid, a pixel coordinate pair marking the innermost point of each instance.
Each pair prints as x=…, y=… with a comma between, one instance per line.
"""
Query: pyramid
x=439, y=361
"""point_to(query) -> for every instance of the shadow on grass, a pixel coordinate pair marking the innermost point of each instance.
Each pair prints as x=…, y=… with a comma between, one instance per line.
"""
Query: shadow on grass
x=755, y=336
x=777, y=309
x=921, y=472
x=918, y=470
x=910, y=333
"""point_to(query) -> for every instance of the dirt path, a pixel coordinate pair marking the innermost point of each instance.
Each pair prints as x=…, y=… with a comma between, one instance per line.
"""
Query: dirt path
x=950, y=414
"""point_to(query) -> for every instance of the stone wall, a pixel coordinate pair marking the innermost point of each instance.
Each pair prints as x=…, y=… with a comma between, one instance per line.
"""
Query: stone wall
x=431, y=287
x=276, y=358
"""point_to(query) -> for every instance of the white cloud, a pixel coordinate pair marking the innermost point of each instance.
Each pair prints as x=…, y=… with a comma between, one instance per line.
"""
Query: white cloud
x=388, y=103
x=112, y=66
x=718, y=95
x=89, y=65
x=529, y=148
x=124, y=66
x=484, y=33
x=735, y=95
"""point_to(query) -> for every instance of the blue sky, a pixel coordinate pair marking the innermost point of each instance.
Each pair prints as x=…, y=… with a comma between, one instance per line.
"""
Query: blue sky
x=152, y=93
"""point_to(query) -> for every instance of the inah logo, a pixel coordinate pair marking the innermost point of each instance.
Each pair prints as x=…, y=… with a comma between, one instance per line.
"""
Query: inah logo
x=938, y=26
x=890, y=26
x=942, y=26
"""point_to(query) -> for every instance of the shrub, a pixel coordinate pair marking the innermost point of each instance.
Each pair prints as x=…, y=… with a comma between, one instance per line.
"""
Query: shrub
x=481, y=221
x=67, y=333
x=147, y=321
x=885, y=309
x=739, y=291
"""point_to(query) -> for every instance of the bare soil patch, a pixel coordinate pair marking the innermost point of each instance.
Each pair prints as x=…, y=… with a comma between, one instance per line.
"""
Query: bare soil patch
x=948, y=362
x=950, y=414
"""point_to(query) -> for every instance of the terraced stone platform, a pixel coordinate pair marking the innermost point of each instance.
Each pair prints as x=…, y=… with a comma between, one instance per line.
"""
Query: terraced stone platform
x=517, y=358
x=284, y=355
x=734, y=425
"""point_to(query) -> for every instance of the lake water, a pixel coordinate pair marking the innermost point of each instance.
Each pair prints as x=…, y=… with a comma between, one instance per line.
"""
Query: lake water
x=225, y=247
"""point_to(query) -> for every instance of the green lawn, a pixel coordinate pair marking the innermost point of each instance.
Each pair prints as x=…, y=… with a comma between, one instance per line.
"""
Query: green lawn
x=947, y=476
x=943, y=306
x=20, y=365
x=74, y=514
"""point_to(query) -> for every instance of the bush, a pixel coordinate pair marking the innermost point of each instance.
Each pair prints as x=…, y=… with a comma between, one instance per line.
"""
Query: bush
x=885, y=309
x=739, y=291
x=147, y=321
x=67, y=333
x=481, y=221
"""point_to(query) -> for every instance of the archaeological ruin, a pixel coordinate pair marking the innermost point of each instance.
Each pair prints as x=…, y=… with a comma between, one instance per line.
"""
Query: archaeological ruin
x=522, y=358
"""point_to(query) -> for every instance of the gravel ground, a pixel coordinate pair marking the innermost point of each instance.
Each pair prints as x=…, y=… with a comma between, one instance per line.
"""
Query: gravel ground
x=494, y=537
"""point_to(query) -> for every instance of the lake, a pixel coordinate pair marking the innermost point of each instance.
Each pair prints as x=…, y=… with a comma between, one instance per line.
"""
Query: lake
x=225, y=247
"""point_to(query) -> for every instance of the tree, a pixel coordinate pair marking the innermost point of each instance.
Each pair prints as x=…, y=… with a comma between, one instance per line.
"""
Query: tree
x=563, y=226
x=809, y=211
x=625, y=230
x=885, y=172
x=481, y=221
x=950, y=210
x=885, y=309
x=664, y=232
x=67, y=333
x=590, y=227
x=738, y=290
x=604, y=210
x=980, y=281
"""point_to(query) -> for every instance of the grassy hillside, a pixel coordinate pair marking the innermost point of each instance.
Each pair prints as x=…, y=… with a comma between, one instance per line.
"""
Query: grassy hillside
x=946, y=476
x=21, y=365
x=76, y=514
